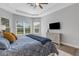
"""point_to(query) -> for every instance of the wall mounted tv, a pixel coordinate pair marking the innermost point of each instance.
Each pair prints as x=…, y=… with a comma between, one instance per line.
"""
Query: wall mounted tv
x=55, y=25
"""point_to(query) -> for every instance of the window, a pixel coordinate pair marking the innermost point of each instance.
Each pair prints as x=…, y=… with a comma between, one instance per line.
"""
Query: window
x=23, y=27
x=36, y=27
x=5, y=22
x=27, y=28
x=19, y=27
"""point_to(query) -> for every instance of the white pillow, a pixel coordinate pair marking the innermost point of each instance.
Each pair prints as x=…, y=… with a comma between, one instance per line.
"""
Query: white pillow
x=4, y=43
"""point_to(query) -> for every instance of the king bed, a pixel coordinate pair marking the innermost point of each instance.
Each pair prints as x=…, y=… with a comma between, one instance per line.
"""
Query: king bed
x=28, y=45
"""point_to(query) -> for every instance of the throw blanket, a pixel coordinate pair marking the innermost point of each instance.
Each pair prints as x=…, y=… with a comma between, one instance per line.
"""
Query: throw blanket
x=43, y=40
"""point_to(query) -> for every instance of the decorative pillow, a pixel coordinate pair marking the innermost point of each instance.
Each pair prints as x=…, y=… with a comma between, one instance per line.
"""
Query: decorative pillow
x=9, y=36
x=14, y=35
x=4, y=44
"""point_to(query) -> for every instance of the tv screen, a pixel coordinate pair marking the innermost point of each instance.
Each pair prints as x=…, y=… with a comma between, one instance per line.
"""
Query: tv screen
x=54, y=25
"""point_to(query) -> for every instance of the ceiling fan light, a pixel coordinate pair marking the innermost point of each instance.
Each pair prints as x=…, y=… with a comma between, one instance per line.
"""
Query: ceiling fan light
x=37, y=4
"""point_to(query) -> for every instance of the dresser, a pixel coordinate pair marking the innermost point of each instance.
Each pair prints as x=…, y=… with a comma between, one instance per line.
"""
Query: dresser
x=55, y=37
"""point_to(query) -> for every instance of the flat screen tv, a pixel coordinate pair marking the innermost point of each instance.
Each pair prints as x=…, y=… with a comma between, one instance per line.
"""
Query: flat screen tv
x=55, y=25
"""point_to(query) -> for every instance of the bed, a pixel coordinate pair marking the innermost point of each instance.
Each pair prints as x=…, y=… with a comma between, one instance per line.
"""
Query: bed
x=30, y=45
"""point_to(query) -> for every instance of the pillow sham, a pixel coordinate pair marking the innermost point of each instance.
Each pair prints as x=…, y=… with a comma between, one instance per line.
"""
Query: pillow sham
x=9, y=36
x=4, y=44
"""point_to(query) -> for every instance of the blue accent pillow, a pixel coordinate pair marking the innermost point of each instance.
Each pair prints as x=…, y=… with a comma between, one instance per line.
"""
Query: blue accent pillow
x=4, y=43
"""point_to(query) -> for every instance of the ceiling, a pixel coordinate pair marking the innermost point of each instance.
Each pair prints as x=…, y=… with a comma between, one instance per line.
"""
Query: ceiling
x=27, y=10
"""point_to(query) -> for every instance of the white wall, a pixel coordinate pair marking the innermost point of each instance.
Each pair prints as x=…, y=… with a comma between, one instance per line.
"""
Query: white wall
x=5, y=14
x=69, y=19
x=44, y=26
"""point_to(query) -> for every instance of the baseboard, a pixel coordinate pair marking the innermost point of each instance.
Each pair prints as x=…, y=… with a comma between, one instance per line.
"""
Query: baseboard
x=74, y=46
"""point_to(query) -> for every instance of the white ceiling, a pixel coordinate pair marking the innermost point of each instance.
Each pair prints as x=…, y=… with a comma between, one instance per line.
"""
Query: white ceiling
x=26, y=10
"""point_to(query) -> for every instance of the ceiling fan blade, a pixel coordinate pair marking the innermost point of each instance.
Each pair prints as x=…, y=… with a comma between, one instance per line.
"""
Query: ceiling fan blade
x=40, y=6
x=31, y=4
x=43, y=3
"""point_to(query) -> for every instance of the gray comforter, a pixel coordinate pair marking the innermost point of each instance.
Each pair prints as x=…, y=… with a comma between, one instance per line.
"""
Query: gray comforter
x=26, y=46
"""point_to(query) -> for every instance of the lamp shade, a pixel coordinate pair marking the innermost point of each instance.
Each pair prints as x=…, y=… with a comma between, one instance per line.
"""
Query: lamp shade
x=2, y=27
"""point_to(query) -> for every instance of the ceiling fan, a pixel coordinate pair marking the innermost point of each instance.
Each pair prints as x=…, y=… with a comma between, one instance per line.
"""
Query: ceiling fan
x=37, y=5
